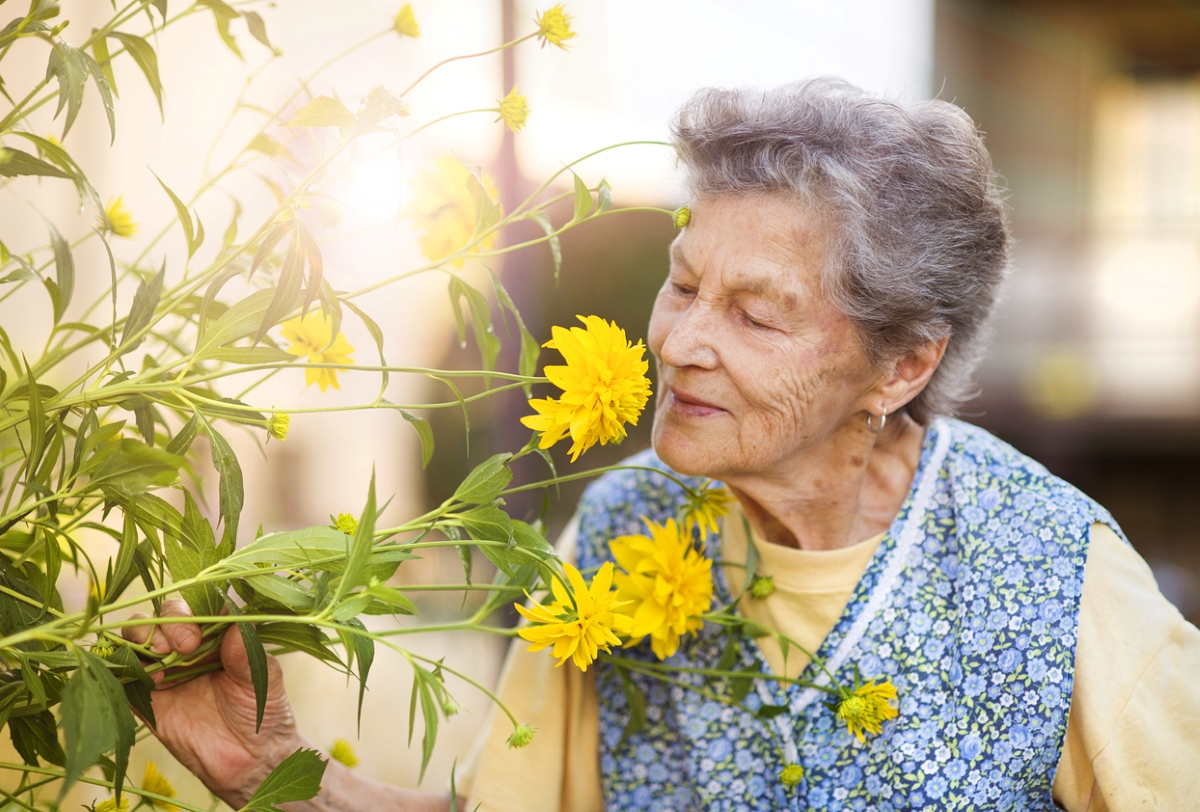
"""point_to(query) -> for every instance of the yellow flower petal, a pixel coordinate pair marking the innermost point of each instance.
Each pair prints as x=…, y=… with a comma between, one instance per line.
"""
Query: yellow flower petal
x=554, y=27
x=343, y=751
x=310, y=335
x=667, y=583
x=154, y=781
x=867, y=708
x=406, y=22
x=514, y=110
x=444, y=207
x=604, y=387
x=581, y=631
x=117, y=220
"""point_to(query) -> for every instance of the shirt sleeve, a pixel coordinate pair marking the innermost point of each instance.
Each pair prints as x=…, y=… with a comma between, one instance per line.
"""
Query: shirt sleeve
x=1131, y=742
x=559, y=771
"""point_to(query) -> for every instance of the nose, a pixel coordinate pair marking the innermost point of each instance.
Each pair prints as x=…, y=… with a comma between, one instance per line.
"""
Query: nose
x=690, y=342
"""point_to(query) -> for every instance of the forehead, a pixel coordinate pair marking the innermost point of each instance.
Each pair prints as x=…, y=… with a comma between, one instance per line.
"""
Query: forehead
x=764, y=244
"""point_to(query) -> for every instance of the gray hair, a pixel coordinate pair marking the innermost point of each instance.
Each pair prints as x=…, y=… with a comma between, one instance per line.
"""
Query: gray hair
x=920, y=247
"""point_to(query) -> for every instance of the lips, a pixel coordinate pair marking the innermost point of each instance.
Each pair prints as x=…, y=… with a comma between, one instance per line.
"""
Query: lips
x=691, y=402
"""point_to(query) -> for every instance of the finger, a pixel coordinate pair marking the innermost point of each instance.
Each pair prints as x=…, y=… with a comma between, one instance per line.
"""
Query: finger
x=181, y=637
x=237, y=663
x=137, y=635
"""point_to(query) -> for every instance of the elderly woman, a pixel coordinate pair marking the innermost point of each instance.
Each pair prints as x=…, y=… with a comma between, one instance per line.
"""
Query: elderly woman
x=825, y=308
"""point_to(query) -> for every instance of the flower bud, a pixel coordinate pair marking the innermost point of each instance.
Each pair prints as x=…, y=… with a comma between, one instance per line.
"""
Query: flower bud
x=762, y=586
x=277, y=425
x=346, y=523
x=683, y=216
x=521, y=736
x=791, y=775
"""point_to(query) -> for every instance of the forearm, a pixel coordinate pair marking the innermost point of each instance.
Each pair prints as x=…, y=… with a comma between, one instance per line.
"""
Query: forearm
x=346, y=791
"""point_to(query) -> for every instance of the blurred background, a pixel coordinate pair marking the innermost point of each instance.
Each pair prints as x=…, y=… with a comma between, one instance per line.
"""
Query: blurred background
x=1091, y=110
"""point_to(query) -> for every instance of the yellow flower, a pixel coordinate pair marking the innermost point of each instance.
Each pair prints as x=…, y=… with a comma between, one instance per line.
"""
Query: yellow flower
x=117, y=218
x=343, y=751
x=762, y=586
x=406, y=22
x=310, y=335
x=445, y=207
x=791, y=775
x=604, y=387
x=683, y=216
x=514, y=109
x=579, y=623
x=111, y=805
x=153, y=781
x=103, y=649
x=554, y=27
x=867, y=708
x=667, y=582
x=277, y=425
x=703, y=509
x=521, y=736
x=346, y=523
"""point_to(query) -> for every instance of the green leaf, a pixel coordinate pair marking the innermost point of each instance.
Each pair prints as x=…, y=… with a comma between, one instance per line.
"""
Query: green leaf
x=635, y=699
x=124, y=560
x=296, y=637
x=145, y=302
x=395, y=601
x=59, y=156
x=222, y=15
x=481, y=320
x=37, y=423
x=185, y=218
x=603, y=197
x=36, y=734
x=297, y=778
x=258, y=28
x=364, y=652
x=282, y=591
x=530, y=349
x=104, y=59
x=542, y=220
x=15, y=162
x=424, y=432
x=768, y=712
x=323, y=111
x=143, y=54
x=136, y=681
x=239, y=321
x=583, y=199
x=95, y=719
x=67, y=66
x=251, y=355
x=360, y=551
x=105, y=92
x=257, y=657
x=486, y=482
x=289, y=291
x=377, y=337
x=182, y=440
x=232, y=489
x=487, y=210
x=64, y=271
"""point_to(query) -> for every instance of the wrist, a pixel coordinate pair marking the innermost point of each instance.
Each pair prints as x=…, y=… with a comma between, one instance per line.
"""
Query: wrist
x=249, y=779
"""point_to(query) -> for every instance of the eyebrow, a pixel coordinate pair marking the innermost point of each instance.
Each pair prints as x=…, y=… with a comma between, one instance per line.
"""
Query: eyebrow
x=678, y=258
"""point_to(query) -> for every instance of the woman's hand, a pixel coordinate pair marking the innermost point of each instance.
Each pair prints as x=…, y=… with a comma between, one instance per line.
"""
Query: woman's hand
x=208, y=722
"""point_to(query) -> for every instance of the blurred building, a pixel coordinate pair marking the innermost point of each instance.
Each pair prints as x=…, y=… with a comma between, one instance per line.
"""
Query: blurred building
x=1092, y=115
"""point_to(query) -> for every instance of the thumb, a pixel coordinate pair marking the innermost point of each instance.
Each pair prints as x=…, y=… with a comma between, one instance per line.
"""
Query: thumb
x=234, y=658
x=236, y=662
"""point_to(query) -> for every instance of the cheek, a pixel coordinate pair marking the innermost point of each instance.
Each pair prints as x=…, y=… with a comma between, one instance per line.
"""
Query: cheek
x=661, y=322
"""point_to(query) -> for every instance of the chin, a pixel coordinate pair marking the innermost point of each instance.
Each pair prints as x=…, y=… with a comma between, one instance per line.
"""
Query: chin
x=684, y=454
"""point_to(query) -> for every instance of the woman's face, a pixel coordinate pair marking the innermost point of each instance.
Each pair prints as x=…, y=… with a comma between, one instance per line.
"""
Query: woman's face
x=756, y=366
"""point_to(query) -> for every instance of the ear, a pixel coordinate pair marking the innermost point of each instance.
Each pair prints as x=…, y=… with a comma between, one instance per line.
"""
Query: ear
x=910, y=375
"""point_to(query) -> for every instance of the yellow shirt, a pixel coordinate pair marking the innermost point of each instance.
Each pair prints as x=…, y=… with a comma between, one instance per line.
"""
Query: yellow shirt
x=1133, y=734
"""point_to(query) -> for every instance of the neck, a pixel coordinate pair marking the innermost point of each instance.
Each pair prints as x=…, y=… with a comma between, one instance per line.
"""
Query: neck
x=845, y=490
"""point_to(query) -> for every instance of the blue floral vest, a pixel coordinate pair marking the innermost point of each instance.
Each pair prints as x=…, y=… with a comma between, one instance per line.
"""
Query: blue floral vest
x=970, y=605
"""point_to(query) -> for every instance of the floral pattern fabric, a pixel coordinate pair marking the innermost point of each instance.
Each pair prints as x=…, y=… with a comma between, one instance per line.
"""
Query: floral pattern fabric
x=970, y=605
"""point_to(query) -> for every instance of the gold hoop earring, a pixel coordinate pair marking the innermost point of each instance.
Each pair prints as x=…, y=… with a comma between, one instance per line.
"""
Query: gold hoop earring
x=882, y=422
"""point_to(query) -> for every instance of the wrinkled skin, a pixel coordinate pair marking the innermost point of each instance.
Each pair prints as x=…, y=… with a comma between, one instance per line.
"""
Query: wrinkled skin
x=208, y=724
x=762, y=384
